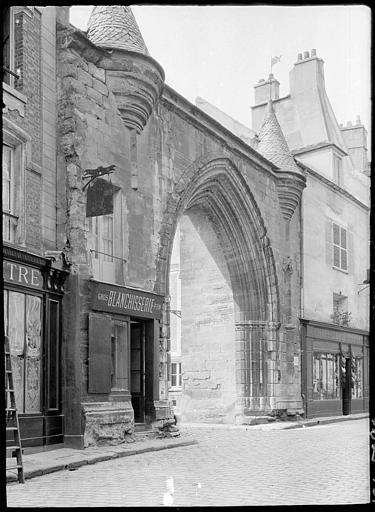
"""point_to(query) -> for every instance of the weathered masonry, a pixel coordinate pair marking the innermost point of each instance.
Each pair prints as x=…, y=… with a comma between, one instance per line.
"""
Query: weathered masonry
x=172, y=162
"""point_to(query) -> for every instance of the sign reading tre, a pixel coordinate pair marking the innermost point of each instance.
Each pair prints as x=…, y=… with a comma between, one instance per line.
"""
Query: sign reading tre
x=22, y=274
x=118, y=299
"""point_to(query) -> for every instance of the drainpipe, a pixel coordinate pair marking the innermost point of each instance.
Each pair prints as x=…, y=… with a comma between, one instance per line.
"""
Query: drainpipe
x=302, y=304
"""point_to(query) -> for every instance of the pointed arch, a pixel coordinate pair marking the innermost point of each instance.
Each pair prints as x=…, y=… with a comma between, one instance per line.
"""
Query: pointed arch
x=214, y=184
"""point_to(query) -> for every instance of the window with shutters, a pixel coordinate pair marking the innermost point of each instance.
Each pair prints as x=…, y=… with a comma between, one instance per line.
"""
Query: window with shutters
x=339, y=247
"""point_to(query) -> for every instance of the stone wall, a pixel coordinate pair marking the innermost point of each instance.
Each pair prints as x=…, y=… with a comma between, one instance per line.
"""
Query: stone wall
x=183, y=159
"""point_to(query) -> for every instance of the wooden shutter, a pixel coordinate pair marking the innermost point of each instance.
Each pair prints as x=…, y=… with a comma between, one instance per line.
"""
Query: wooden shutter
x=351, y=256
x=329, y=242
x=100, y=331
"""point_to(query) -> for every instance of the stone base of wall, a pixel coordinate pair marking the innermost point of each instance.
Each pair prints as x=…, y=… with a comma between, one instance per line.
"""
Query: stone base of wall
x=107, y=423
x=164, y=420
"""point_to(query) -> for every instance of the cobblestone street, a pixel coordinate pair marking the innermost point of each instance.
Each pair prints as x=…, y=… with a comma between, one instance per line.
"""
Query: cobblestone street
x=325, y=464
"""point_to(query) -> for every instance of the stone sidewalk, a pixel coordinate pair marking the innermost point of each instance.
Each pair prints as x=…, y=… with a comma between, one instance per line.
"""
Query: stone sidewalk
x=42, y=463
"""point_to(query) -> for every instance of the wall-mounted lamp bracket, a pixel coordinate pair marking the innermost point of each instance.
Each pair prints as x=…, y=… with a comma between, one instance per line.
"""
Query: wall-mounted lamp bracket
x=93, y=174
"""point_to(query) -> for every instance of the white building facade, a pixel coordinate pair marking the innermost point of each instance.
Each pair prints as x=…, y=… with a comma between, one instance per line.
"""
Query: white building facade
x=335, y=238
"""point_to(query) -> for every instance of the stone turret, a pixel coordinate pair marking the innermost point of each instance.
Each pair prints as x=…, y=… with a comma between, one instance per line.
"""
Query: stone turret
x=273, y=146
x=134, y=77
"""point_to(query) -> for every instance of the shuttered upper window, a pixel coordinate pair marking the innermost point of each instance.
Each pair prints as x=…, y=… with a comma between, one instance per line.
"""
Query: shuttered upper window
x=339, y=247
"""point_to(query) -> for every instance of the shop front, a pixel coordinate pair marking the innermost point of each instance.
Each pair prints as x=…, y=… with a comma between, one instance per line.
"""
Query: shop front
x=33, y=292
x=335, y=369
x=123, y=360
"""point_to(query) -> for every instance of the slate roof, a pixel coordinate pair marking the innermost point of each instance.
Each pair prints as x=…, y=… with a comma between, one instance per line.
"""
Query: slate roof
x=272, y=143
x=114, y=26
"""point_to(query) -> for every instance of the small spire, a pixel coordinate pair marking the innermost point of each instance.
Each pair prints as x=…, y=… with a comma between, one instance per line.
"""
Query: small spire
x=114, y=26
x=272, y=143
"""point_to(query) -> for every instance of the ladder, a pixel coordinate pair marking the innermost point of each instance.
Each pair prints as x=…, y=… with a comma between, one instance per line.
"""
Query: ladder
x=12, y=426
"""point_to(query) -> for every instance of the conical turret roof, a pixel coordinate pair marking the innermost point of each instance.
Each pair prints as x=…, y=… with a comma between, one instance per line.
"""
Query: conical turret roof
x=272, y=143
x=114, y=26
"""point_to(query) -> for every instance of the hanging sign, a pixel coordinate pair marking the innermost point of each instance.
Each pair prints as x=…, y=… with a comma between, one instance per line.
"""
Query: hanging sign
x=126, y=301
x=99, y=198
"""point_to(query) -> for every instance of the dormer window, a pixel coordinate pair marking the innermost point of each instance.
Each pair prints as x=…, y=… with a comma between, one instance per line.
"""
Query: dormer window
x=337, y=171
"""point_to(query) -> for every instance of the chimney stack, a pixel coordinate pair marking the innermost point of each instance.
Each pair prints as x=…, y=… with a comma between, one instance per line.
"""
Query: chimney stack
x=265, y=89
x=307, y=73
x=355, y=137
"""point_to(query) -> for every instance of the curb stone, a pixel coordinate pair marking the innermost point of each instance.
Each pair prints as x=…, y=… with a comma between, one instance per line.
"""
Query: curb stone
x=93, y=459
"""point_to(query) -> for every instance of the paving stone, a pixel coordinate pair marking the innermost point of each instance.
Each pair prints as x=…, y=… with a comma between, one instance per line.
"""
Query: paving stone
x=324, y=464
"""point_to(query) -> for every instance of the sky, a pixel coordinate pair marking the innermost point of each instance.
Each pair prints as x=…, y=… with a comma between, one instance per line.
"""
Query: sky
x=220, y=52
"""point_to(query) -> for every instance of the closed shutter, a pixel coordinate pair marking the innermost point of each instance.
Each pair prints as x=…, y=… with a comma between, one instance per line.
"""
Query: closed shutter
x=351, y=255
x=329, y=243
x=100, y=330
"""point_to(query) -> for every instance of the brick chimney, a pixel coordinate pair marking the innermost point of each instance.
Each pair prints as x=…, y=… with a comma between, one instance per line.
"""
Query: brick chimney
x=355, y=137
x=307, y=74
x=263, y=89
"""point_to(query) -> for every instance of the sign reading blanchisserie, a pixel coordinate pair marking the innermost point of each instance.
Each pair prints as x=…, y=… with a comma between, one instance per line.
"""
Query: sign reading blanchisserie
x=118, y=299
x=22, y=274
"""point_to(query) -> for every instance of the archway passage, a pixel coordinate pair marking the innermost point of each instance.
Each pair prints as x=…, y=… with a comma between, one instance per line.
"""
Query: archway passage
x=223, y=300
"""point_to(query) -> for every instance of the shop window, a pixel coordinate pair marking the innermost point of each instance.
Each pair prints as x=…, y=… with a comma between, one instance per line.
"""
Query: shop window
x=325, y=376
x=101, y=246
x=10, y=220
x=176, y=375
x=357, y=377
x=23, y=326
x=339, y=247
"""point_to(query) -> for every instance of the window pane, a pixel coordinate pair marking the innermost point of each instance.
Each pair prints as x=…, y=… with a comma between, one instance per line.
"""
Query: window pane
x=16, y=332
x=7, y=177
x=343, y=238
x=336, y=256
x=33, y=353
x=324, y=377
x=330, y=376
x=336, y=234
x=344, y=259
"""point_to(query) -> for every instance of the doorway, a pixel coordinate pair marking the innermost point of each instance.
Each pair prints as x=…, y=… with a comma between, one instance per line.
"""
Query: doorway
x=137, y=367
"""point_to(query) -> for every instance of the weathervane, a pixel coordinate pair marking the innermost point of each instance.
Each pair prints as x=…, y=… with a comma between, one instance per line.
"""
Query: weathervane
x=274, y=60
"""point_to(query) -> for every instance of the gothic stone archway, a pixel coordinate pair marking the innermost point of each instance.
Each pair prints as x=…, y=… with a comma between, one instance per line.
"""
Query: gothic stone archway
x=214, y=188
